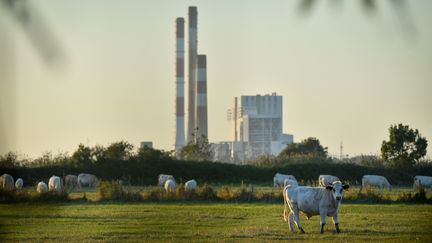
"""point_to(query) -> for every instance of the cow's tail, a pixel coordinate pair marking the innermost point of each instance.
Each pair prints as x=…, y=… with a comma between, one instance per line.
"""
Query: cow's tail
x=285, y=192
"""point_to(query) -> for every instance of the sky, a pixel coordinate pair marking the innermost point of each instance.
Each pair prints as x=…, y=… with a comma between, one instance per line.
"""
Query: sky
x=345, y=74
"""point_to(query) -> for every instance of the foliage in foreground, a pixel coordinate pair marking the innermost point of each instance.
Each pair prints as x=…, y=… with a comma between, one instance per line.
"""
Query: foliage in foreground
x=111, y=191
x=31, y=196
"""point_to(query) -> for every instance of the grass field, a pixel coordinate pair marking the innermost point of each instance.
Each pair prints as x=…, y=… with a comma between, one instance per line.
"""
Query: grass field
x=206, y=222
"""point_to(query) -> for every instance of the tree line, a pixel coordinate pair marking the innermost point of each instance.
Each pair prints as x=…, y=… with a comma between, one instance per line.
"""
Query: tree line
x=400, y=161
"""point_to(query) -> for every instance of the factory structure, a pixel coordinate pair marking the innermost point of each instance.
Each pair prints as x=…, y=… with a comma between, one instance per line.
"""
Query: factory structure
x=256, y=121
x=197, y=84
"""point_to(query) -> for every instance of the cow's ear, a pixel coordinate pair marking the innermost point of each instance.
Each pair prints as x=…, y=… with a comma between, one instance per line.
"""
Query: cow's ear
x=345, y=186
x=329, y=187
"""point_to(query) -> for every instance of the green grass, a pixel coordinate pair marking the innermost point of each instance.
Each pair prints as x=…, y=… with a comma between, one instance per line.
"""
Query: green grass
x=206, y=222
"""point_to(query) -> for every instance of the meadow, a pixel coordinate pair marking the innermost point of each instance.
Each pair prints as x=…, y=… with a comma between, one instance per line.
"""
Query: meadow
x=197, y=222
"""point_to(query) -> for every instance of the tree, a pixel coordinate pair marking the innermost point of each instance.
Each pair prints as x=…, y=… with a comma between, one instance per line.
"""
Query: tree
x=82, y=156
x=9, y=160
x=404, y=148
x=119, y=151
x=198, y=149
x=147, y=153
x=308, y=147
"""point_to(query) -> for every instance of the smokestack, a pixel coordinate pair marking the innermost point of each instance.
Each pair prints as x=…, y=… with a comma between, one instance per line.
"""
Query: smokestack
x=193, y=14
x=201, y=98
x=180, y=126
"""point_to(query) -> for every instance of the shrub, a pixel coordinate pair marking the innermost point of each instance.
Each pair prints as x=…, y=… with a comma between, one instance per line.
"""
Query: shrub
x=206, y=193
x=30, y=196
x=110, y=190
x=418, y=197
x=154, y=193
x=113, y=190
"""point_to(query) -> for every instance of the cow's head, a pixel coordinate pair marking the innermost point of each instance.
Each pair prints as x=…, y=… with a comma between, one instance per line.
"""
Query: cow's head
x=337, y=189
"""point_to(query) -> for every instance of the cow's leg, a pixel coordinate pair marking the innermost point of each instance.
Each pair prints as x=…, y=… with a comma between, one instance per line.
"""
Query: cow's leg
x=336, y=222
x=297, y=219
x=291, y=221
x=323, y=214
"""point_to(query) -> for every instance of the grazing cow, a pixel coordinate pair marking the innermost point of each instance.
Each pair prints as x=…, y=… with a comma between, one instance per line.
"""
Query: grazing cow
x=162, y=178
x=190, y=185
x=278, y=179
x=19, y=184
x=85, y=179
x=41, y=187
x=54, y=184
x=376, y=181
x=7, y=182
x=323, y=201
x=170, y=186
x=424, y=181
x=289, y=182
x=324, y=180
x=71, y=181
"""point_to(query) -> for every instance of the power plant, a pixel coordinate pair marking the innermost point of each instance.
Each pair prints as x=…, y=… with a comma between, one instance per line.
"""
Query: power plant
x=197, y=84
x=192, y=53
x=180, y=134
x=201, y=97
x=256, y=119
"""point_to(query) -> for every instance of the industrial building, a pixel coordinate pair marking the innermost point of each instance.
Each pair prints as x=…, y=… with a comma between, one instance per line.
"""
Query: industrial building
x=197, y=84
x=257, y=123
x=256, y=120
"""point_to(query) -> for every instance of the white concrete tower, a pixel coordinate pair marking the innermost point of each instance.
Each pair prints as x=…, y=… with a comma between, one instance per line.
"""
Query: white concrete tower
x=180, y=126
x=201, y=97
x=193, y=41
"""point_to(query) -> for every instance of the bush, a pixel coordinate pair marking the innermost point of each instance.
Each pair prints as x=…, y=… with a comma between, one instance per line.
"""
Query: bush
x=113, y=190
x=154, y=193
x=418, y=197
x=31, y=196
x=206, y=193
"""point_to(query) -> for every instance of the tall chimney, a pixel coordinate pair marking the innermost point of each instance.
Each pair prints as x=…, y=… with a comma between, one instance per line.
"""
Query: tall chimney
x=192, y=71
x=201, y=98
x=180, y=126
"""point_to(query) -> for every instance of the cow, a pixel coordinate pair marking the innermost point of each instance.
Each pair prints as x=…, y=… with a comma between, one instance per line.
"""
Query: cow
x=324, y=180
x=290, y=182
x=54, y=184
x=7, y=182
x=170, y=186
x=19, y=184
x=41, y=187
x=376, y=181
x=70, y=181
x=162, y=178
x=323, y=201
x=278, y=179
x=423, y=181
x=190, y=185
x=85, y=179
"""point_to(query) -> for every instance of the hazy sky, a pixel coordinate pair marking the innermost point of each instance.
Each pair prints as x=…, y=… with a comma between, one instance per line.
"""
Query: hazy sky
x=344, y=74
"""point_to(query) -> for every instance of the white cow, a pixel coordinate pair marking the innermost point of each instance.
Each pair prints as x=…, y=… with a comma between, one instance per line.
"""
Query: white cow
x=190, y=185
x=170, y=186
x=19, y=184
x=7, y=182
x=54, y=184
x=289, y=182
x=85, y=179
x=323, y=201
x=376, y=181
x=324, y=180
x=162, y=178
x=41, y=187
x=71, y=181
x=278, y=179
x=424, y=181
